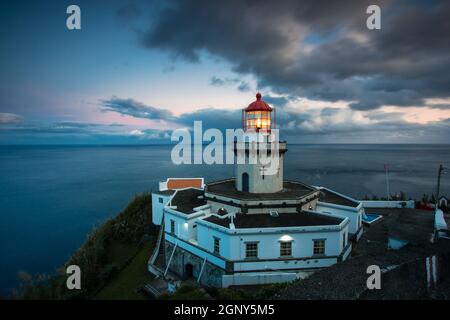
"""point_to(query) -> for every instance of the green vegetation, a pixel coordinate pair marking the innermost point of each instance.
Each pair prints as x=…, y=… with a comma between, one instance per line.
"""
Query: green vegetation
x=120, y=242
x=125, y=285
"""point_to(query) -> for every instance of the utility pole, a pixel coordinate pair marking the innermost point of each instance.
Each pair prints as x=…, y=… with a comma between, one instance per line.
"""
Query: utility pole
x=387, y=181
x=440, y=171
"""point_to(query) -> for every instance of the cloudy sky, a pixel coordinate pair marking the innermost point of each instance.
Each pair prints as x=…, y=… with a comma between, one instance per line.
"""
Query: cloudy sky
x=139, y=69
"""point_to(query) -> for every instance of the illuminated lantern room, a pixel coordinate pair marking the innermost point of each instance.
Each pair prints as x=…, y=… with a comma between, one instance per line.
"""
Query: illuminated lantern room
x=258, y=116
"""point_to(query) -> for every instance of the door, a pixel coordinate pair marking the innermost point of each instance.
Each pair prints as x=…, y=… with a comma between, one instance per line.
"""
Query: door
x=245, y=182
x=188, y=271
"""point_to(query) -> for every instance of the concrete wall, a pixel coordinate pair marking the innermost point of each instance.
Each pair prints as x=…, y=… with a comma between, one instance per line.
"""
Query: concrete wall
x=388, y=204
x=257, y=278
x=353, y=214
x=157, y=207
x=230, y=208
x=263, y=205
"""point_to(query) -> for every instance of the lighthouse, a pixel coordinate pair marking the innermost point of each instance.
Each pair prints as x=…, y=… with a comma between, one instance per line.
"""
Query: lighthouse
x=253, y=228
x=261, y=167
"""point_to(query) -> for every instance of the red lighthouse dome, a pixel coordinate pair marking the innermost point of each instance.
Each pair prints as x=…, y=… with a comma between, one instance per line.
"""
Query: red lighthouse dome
x=258, y=105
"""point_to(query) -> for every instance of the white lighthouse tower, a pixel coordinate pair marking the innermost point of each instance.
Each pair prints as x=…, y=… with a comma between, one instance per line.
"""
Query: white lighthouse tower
x=260, y=144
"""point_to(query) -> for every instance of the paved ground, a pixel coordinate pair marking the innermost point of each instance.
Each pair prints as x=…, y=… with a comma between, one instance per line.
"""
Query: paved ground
x=347, y=280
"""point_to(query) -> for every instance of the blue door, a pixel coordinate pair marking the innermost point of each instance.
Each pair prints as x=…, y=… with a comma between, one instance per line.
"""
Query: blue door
x=245, y=182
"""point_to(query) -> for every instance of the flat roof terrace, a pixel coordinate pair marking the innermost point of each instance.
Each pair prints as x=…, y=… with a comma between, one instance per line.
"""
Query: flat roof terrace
x=291, y=190
x=188, y=199
x=331, y=197
x=265, y=220
x=413, y=225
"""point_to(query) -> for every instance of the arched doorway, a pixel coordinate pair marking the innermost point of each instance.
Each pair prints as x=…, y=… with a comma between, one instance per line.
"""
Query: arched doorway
x=188, y=271
x=245, y=182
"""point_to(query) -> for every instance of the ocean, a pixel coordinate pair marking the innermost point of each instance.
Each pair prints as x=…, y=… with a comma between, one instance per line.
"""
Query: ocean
x=51, y=197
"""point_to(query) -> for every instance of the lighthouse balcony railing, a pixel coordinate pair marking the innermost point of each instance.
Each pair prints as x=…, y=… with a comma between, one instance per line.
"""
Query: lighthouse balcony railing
x=258, y=145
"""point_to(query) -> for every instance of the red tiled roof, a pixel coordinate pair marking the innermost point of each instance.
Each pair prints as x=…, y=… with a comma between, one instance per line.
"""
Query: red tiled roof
x=183, y=183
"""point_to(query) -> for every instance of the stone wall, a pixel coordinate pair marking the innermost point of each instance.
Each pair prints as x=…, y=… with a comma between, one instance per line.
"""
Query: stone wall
x=212, y=275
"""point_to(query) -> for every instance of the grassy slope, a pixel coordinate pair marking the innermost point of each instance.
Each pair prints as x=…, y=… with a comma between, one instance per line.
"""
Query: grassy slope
x=125, y=284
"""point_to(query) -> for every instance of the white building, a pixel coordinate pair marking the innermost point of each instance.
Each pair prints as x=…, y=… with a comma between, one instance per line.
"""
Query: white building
x=255, y=228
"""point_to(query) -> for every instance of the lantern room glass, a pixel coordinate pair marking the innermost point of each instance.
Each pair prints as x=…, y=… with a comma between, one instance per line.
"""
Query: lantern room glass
x=258, y=120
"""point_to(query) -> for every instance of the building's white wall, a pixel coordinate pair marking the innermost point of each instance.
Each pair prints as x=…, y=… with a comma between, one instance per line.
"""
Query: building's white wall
x=157, y=207
x=181, y=225
x=162, y=185
x=270, y=183
x=263, y=266
x=205, y=240
x=184, y=224
x=232, y=246
x=353, y=214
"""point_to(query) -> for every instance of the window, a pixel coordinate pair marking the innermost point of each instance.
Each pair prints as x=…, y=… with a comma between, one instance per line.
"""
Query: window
x=172, y=226
x=286, y=249
x=319, y=247
x=216, y=246
x=160, y=200
x=251, y=250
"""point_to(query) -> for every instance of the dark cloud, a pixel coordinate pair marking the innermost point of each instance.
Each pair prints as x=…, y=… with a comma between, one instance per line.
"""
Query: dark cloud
x=211, y=117
x=217, y=82
x=318, y=49
x=276, y=101
x=136, y=109
x=220, y=82
x=244, y=87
